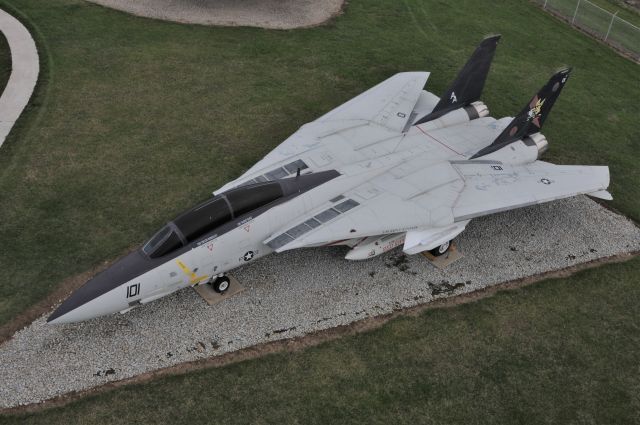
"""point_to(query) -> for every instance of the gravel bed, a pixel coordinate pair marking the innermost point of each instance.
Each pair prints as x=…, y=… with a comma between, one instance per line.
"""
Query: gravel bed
x=277, y=14
x=299, y=292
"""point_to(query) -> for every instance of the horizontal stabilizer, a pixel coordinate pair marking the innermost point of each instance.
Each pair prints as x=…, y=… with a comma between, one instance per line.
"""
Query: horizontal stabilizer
x=491, y=188
x=601, y=194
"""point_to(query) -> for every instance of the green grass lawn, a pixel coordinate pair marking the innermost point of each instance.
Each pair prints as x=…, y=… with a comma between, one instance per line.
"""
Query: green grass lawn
x=625, y=12
x=595, y=16
x=137, y=119
x=559, y=352
x=568, y=7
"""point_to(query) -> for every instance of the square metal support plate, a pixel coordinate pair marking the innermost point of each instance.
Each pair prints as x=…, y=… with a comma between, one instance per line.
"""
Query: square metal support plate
x=212, y=297
x=443, y=261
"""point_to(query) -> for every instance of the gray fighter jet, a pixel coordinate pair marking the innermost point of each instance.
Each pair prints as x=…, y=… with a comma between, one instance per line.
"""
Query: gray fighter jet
x=394, y=166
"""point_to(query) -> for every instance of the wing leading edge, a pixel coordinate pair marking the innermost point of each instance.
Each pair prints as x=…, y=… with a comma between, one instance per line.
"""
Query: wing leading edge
x=385, y=108
x=388, y=104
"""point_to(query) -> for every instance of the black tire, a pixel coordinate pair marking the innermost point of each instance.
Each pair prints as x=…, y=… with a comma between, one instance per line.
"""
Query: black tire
x=221, y=284
x=441, y=250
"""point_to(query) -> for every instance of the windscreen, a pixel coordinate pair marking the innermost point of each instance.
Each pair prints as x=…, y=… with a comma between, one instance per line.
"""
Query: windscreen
x=163, y=242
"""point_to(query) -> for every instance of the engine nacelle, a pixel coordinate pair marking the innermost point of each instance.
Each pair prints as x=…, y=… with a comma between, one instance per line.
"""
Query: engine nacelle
x=479, y=109
x=539, y=141
x=522, y=151
x=458, y=116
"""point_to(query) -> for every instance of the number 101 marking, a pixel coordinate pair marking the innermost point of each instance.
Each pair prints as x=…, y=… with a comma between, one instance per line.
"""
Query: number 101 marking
x=133, y=290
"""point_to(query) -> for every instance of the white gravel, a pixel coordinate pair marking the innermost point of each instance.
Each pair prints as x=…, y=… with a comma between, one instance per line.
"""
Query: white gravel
x=299, y=292
x=279, y=14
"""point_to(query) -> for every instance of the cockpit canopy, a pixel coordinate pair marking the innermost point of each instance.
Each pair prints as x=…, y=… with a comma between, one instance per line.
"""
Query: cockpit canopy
x=211, y=214
x=221, y=209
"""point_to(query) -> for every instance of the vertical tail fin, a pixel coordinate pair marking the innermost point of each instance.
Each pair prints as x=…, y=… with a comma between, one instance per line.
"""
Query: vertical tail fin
x=468, y=85
x=532, y=116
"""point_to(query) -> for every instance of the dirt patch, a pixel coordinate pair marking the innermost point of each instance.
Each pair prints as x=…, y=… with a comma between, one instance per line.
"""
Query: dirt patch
x=300, y=343
x=272, y=14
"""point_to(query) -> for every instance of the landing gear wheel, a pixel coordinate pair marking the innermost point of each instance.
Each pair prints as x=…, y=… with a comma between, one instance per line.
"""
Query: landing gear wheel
x=221, y=284
x=441, y=250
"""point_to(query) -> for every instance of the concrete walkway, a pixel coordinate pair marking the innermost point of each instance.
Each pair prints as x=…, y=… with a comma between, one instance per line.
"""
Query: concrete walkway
x=25, y=67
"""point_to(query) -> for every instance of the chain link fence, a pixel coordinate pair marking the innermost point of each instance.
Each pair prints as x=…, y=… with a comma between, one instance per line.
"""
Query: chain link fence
x=600, y=23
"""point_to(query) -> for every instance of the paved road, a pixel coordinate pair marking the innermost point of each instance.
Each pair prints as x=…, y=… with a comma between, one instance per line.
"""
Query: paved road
x=25, y=67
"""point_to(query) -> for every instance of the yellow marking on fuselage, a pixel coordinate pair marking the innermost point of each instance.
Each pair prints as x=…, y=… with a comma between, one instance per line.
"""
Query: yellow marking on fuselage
x=193, y=278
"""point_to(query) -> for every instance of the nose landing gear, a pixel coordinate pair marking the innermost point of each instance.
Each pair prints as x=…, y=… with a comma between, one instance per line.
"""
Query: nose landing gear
x=218, y=288
x=220, y=284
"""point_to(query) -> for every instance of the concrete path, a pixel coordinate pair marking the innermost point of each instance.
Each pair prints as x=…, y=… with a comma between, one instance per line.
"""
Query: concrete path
x=25, y=67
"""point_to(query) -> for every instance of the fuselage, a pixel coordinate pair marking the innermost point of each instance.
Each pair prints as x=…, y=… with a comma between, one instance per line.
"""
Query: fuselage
x=230, y=229
x=393, y=166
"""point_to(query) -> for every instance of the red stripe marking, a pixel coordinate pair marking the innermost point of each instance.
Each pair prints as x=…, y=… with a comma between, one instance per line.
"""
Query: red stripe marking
x=446, y=146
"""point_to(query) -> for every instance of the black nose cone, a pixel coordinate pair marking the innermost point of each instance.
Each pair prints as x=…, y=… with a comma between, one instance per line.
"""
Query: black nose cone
x=121, y=272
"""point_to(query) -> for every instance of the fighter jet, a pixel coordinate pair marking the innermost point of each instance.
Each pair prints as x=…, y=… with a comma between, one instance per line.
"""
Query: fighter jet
x=394, y=166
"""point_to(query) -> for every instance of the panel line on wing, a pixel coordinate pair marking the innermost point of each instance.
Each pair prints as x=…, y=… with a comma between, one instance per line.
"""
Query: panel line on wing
x=433, y=138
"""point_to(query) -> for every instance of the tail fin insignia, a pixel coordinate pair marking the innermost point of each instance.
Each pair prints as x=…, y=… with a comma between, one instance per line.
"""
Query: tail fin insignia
x=532, y=116
x=534, y=112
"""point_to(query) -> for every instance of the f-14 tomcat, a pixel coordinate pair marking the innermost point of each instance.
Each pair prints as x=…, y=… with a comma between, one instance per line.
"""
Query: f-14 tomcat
x=396, y=165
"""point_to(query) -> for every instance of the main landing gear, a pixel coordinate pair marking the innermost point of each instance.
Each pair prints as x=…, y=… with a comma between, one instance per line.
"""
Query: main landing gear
x=443, y=255
x=220, y=284
x=441, y=250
